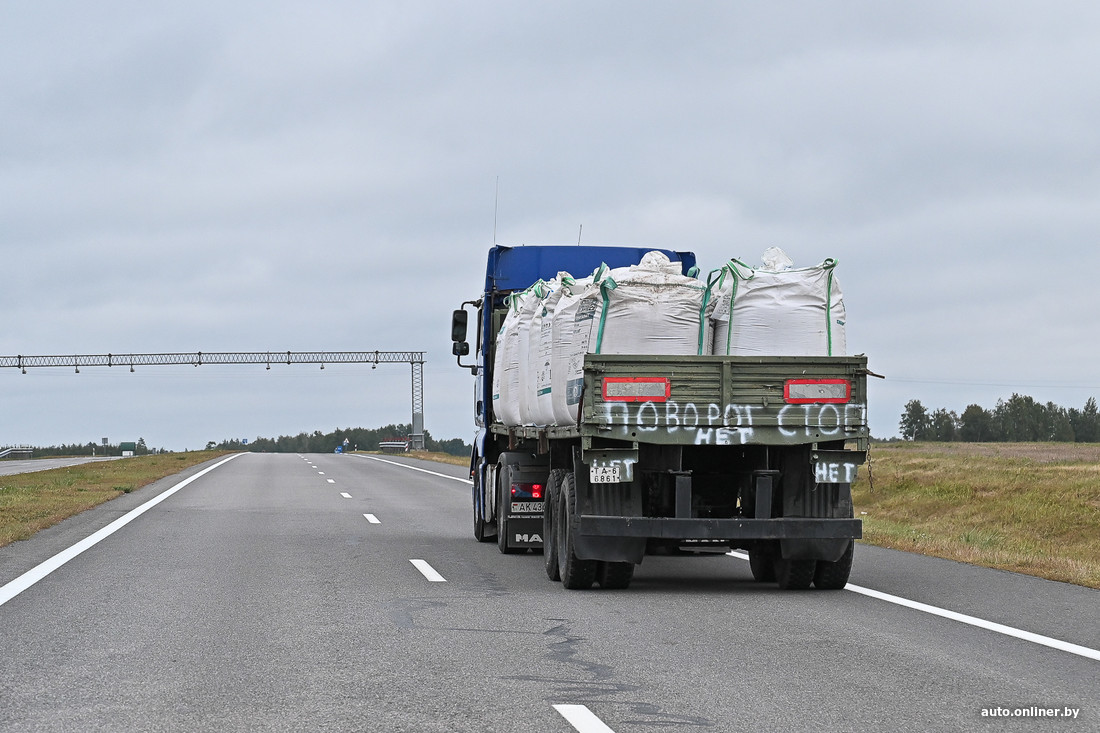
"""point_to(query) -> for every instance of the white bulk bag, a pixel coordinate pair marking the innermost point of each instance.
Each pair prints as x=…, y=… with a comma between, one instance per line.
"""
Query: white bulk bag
x=652, y=308
x=572, y=326
x=777, y=309
x=542, y=351
x=511, y=363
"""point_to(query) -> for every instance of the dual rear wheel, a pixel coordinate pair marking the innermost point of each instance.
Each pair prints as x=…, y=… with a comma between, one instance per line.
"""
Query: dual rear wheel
x=558, y=532
x=766, y=567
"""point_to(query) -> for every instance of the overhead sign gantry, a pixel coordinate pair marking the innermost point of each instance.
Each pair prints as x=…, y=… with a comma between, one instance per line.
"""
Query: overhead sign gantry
x=198, y=358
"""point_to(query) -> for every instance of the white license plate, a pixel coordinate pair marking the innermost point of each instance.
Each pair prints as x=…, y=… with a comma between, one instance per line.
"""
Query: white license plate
x=604, y=475
x=526, y=507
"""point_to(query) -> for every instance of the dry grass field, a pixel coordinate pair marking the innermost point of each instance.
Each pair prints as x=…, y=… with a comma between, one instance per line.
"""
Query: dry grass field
x=33, y=501
x=1027, y=507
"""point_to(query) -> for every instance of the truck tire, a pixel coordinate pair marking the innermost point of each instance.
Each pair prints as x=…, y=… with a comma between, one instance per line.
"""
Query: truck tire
x=550, y=523
x=762, y=565
x=615, y=575
x=576, y=574
x=504, y=500
x=834, y=575
x=483, y=530
x=794, y=574
x=481, y=533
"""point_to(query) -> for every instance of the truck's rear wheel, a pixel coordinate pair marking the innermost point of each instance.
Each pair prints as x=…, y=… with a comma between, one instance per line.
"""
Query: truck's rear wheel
x=615, y=575
x=550, y=524
x=834, y=575
x=481, y=533
x=762, y=565
x=794, y=574
x=576, y=574
x=483, y=530
x=504, y=501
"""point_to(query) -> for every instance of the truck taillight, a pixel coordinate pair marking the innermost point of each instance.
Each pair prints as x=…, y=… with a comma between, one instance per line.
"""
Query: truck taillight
x=526, y=491
x=636, y=389
x=817, y=391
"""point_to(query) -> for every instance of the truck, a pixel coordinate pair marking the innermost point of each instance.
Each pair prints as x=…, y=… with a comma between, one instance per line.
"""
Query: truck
x=672, y=454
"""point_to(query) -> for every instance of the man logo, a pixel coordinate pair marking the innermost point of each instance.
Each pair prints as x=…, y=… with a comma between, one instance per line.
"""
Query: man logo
x=528, y=538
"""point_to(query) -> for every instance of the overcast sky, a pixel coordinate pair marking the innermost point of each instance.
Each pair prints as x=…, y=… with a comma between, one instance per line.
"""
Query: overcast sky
x=255, y=176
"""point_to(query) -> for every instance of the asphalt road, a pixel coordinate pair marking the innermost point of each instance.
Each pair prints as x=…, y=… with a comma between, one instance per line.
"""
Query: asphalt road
x=261, y=597
x=9, y=468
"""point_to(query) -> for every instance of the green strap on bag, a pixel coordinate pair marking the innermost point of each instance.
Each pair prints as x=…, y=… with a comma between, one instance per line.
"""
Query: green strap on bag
x=736, y=269
x=829, y=264
x=606, y=286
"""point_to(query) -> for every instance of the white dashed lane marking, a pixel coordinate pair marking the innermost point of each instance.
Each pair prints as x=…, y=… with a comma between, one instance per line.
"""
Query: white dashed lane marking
x=428, y=571
x=582, y=719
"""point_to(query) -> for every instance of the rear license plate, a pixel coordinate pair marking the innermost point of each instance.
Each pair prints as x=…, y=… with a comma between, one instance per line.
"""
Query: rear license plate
x=604, y=475
x=526, y=507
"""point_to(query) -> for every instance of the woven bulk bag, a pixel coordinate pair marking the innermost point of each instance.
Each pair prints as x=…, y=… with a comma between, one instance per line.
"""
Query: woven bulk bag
x=510, y=363
x=652, y=308
x=542, y=350
x=777, y=309
x=572, y=327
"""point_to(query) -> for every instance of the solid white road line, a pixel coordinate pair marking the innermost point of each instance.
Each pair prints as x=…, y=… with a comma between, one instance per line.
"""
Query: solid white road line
x=582, y=719
x=32, y=576
x=372, y=519
x=1065, y=646
x=345, y=494
x=428, y=571
x=414, y=468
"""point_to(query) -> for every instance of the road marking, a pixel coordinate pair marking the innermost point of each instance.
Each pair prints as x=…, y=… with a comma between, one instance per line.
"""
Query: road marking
x=345, y=494
x=428, y=571
x=372, y=519
x=320, y=473
x=1065, y=646
x=414, y=468
x=37, y=573
x=330, y=481
x=582, y=719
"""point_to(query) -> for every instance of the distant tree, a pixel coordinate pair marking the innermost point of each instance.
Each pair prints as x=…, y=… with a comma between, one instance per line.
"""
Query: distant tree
x=915, y=423
x=943, y=426
x=1056, y=424
x=1020, y=419
x=976, y=425
x=1085, y=422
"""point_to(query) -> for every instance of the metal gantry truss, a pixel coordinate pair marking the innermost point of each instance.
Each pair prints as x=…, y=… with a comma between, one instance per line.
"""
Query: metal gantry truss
x=198, y=358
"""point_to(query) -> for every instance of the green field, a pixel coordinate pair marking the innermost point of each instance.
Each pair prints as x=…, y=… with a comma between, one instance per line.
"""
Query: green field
x=1027, y=507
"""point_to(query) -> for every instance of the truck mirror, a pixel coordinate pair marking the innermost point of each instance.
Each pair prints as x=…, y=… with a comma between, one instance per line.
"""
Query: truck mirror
x=458, y=326
x=460, y=348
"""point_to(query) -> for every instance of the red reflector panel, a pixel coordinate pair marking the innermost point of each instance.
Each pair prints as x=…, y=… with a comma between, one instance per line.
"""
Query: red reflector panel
x=817, y=391
x=636, y=389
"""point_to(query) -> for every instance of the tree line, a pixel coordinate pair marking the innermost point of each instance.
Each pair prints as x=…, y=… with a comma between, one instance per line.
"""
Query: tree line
x=358, y=439
x=1017, y=419
x=92, y=449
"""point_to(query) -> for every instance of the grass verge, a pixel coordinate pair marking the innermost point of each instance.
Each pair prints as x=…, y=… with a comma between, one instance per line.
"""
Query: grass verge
x=33, y=501
x=1026, y=507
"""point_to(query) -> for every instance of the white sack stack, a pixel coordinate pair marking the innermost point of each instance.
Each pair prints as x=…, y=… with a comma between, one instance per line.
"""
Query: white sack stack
x=777, y=309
